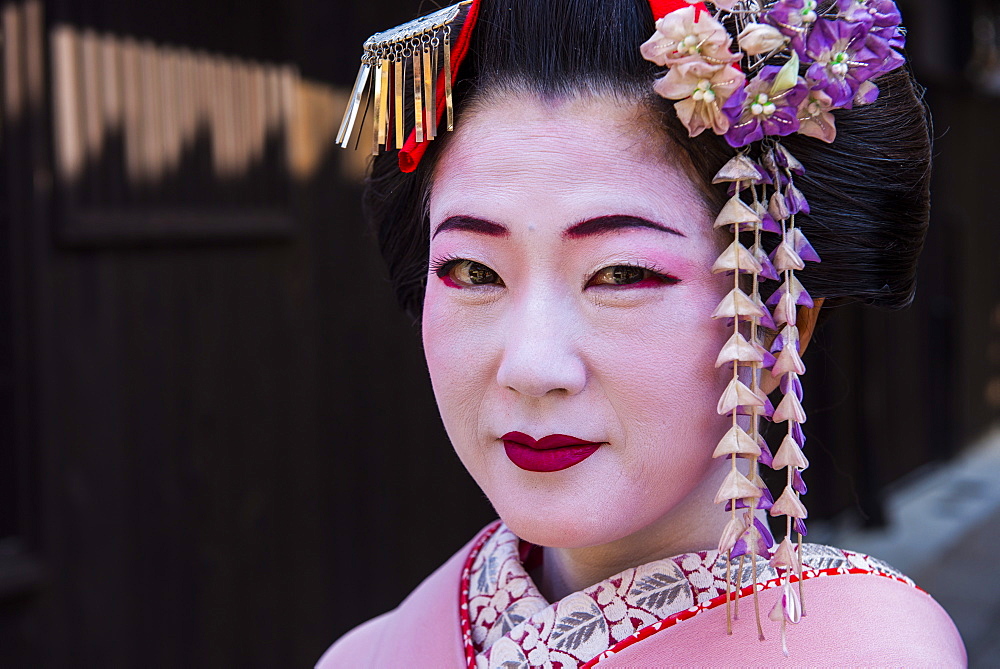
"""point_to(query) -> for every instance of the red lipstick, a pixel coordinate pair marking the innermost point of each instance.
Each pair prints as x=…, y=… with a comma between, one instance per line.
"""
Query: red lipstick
x=548, y=454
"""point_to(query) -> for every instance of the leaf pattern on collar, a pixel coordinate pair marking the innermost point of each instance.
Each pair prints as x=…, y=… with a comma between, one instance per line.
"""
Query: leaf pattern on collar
x=514, y=626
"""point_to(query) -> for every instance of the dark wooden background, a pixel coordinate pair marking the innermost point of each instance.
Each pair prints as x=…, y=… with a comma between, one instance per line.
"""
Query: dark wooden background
x=218, y=445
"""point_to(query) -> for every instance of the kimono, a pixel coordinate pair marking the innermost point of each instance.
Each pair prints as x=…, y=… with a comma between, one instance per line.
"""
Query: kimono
x=482, y=610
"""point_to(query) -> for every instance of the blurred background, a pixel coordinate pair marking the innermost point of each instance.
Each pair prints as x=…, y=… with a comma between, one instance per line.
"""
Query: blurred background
x=218, y=445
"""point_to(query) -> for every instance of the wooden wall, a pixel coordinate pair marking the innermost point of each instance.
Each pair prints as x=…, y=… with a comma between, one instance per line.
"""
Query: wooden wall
x=218, y=445
x=224, y=429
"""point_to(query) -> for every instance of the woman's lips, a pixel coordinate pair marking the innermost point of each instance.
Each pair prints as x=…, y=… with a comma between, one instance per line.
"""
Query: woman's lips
x=548, y=454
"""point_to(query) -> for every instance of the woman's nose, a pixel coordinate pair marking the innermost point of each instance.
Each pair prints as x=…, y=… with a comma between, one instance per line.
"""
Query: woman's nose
x=541, y=352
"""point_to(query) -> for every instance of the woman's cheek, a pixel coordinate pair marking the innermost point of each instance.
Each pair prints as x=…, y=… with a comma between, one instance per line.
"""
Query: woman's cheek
x=456, y=357
x=439, y=336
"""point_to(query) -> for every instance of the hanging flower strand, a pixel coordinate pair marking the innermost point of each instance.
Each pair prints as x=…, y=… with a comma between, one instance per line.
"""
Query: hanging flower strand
x=742, y=398
x=789, y=257
x=796, y=65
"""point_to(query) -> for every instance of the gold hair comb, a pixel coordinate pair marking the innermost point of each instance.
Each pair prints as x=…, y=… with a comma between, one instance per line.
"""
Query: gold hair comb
x=406, y=60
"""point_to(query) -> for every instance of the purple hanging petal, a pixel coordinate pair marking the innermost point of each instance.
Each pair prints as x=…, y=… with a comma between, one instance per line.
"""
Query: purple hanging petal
x=804, y=248
x=734, y=185
x=776, y=295
x=766, y=498
x=773, y=255
x=791, y=162
x=739, y=549
x=767, y=320
x=798, y=435
x=800, y=526
x=796, y=201
x=768, y=224
x=765, y=459
x=765, y=178
x=786, y=383
x=768, y=409
x=778, y=158
x=765, y=501
x=798, y=485
x=763, y=538
x=769, y=359
x=762, y=546
x=791, y=382
x=767, y=269
x=867, y=94
x=798, y=345
x=765, y=534
x=778, y=344
x=805, y=300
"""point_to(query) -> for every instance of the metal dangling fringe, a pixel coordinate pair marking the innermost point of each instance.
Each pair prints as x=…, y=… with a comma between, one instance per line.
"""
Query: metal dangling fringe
x=350, y=116
x=421, y=47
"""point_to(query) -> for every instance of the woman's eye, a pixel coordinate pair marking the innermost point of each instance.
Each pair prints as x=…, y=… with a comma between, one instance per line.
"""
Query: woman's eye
x=469, y=273
x=629, y=275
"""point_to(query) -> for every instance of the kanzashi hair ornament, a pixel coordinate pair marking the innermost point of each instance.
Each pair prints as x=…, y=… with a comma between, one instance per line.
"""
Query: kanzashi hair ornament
x=415, y=61
x=797, y=64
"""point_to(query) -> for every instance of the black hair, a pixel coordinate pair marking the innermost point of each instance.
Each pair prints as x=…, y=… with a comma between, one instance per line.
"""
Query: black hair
x=868, y=190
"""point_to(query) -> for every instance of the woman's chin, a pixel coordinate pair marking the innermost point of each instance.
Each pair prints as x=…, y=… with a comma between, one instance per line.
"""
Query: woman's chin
x=566, y=526
x=541, y=532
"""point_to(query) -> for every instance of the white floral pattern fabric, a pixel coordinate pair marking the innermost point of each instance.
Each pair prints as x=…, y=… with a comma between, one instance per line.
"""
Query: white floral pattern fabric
x=511, y=625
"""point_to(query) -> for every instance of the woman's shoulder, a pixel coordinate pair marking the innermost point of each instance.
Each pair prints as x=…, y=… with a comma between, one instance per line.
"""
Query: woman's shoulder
x=423, y=631
x=882, y=616
x=857, y=610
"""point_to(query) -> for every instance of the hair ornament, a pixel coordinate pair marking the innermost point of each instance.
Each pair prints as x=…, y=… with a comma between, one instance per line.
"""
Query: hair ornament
x=796, y=64
x=416, y=63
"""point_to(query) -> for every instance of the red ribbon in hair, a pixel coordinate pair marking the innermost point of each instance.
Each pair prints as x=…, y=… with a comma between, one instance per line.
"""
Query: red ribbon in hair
x=411, y=153
x=663, y=7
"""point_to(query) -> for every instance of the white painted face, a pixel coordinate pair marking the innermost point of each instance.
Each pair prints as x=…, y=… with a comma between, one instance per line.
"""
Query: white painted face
x=569, y=293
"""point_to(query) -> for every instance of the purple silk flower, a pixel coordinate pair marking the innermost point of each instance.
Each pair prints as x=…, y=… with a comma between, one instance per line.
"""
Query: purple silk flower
x=881, y=16
x=843, y=57
x=793, y=19
x=759, y=111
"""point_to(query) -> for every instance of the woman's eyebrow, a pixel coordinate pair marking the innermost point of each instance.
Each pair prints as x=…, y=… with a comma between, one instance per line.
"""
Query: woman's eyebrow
x=471, y=224
x=604, y=224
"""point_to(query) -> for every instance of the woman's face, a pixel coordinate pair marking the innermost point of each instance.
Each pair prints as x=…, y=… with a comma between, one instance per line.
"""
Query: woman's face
x=569, y=293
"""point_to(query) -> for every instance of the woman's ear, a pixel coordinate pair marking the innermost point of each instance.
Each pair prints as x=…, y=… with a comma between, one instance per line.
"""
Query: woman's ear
x=806, y=321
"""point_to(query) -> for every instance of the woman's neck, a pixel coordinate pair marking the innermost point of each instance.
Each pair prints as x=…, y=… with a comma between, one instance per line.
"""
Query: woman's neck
x=693, y=526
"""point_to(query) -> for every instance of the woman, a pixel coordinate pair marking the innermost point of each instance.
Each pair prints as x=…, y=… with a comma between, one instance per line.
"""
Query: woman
x=558, y=248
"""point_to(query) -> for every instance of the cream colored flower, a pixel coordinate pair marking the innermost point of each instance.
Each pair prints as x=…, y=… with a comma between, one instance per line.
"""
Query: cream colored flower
x=758, y=38
x=702, y=90
x=688, y=34
x=815, y=119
